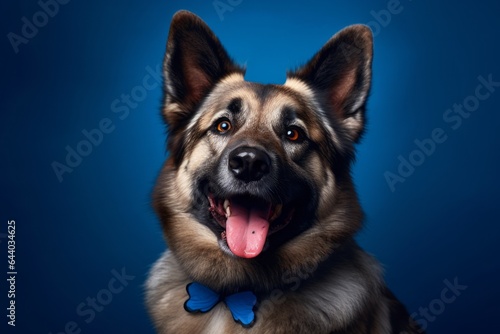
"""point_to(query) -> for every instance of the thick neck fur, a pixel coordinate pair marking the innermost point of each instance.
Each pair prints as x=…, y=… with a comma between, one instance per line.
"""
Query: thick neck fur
x=343, y=288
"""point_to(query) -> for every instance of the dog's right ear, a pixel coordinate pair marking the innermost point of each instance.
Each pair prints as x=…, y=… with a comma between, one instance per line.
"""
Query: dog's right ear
x=341, y=75
x=194, y=62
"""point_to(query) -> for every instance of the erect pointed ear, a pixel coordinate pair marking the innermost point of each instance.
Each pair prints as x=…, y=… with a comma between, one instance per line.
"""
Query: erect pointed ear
x=341, y=74
x=194, y=62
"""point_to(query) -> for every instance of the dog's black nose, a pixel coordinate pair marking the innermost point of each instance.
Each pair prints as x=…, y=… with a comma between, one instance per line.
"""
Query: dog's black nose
x=249, y=163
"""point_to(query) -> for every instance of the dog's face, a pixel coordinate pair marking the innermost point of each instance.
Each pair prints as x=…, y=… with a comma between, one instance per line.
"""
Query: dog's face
x=257, y=183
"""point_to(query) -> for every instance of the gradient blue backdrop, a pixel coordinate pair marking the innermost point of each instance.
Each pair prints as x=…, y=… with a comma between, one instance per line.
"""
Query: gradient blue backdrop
x=439, y=224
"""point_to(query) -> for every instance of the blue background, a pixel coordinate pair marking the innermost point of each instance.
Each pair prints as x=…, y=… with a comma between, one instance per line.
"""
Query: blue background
x=441, y=223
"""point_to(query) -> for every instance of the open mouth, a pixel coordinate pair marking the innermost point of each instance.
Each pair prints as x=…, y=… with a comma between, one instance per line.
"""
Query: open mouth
x=247, y=222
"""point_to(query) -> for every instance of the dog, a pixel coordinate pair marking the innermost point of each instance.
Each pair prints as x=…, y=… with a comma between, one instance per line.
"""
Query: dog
x=256, y=200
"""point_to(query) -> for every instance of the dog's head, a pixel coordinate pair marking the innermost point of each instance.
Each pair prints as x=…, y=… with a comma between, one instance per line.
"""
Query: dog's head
x=257, y=182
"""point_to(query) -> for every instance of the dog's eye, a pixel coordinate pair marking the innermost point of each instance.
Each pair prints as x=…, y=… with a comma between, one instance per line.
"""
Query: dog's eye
x=223, y=126
x=293, y=134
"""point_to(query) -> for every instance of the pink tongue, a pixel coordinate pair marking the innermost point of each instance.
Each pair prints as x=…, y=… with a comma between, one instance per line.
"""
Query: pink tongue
x=246, y=230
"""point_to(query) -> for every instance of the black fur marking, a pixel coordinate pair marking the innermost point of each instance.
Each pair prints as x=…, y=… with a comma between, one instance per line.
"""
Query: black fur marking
x=235, y=106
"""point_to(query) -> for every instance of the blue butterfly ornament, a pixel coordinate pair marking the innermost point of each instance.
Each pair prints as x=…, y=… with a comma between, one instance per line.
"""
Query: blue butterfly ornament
x=203, y=299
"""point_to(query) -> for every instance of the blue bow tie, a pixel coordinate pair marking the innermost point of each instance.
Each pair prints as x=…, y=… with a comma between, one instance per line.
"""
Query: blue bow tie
x=203, y=299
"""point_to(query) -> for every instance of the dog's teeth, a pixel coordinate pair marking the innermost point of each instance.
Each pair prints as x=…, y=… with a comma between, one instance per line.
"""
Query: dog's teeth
x=227, y=207
x=277, y=211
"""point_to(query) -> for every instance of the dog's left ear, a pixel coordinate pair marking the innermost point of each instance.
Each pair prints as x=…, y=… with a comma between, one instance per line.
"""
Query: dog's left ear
x=341, y=73
x=194, y=62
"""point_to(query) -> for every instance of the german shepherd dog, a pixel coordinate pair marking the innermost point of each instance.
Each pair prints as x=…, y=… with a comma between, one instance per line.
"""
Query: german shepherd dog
x=256, y=200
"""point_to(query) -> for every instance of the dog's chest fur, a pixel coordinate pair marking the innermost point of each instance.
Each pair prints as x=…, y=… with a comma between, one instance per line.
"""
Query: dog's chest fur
x=327, y=304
